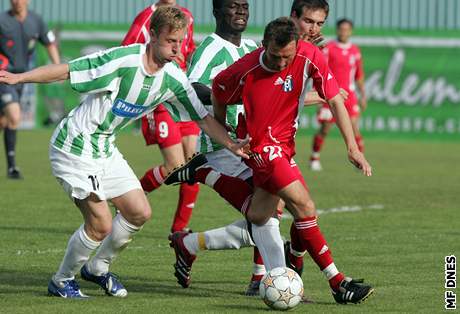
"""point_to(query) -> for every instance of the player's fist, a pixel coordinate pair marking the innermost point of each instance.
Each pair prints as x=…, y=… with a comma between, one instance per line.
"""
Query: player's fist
x=359, y=161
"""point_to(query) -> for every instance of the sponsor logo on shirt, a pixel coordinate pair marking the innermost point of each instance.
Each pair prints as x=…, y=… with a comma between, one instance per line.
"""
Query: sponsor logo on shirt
x=124, y=109
x=287, y=87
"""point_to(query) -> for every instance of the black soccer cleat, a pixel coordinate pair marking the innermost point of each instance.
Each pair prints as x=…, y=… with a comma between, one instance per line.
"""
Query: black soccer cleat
x=253, y=288
x=287, y=252
x=352, y=291
x=186, y=172
x=184, y=260
x=14, y=173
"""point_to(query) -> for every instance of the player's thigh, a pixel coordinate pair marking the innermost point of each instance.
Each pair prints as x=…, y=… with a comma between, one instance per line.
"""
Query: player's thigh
x=189, y=145
x=97, y=216
x=173, y=156
x=134, y=207
x=298, y=200
x=263, y=206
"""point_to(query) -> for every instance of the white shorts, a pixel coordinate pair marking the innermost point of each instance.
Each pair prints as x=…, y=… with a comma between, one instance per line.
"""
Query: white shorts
x=227, y=163
x=105, y=177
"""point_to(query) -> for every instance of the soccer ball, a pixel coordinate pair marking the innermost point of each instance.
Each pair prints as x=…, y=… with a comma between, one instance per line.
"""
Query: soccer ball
x=281, y=288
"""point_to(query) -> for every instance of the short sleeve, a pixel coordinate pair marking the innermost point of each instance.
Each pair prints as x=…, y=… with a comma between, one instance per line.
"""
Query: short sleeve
x=227, y=86
x=45, y=36
x=98, y=72
x=359, y=66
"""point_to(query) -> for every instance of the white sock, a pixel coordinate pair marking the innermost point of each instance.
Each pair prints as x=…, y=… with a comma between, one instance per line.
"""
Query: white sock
x=270, y=244
x=212, y=178
x=233, y=236
x=258, y=270
x=78, y=250
x=112, y=245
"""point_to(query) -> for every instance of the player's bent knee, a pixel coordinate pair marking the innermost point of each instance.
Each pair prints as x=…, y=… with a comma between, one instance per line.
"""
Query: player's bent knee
x=258, y=219
x=100, y=231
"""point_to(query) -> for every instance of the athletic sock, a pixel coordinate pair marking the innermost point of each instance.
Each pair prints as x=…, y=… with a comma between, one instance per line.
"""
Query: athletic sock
x=187, y=197
x=234, y=190
x=316, y=246
x=79, y=248
x=359, y=140
x=318, y=141
x=152, y=179
x=232, y=236
x=10, y=147
x=112, y=245
x=297, y=250
x=259, y=267
x=270, y=244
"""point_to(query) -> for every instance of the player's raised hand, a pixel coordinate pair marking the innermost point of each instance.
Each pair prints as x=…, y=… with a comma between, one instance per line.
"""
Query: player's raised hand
x=318, y=40
x=359, y=161
x=241, y=147
x=9, y=78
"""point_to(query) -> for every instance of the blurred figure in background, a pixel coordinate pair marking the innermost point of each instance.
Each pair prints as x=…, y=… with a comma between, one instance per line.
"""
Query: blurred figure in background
x=20, y=29
x=345, y=62
x=175, y=139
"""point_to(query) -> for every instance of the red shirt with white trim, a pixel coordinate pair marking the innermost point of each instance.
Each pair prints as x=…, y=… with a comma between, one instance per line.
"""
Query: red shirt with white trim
x=139, y=32
x=273, y=100
x=345, y=62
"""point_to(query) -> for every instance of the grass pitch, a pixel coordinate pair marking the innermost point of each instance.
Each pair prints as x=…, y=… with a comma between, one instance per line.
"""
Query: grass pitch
x=394, y=229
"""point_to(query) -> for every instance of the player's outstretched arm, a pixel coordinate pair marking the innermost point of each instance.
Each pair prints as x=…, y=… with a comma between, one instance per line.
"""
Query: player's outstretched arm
x=217, y=131
x=45, y=74
x=343, y=122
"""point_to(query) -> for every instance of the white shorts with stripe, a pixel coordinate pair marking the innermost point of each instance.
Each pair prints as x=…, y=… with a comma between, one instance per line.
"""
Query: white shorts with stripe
x=107, y=178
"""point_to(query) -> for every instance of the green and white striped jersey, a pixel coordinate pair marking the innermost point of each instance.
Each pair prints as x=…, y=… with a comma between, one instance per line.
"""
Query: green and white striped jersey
x=119, y=91
x=214, y=55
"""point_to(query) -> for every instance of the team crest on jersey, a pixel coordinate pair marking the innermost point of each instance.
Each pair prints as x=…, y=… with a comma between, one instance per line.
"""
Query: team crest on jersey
x=124, y=109
x=287, y=86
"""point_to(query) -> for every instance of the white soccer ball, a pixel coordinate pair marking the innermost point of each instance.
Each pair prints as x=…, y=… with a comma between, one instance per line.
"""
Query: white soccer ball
x=281, y=288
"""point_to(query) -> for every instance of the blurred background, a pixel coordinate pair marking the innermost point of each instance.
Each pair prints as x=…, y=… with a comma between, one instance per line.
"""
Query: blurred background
x=410, y=50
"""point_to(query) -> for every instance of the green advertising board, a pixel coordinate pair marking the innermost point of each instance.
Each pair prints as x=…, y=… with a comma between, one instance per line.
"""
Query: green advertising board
x=412, y=84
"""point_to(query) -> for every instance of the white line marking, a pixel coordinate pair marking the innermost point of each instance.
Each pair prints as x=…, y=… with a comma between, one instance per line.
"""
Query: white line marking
x=342, y=209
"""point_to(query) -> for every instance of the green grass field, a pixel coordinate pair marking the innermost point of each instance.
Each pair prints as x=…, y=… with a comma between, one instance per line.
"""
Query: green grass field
x=410, y=220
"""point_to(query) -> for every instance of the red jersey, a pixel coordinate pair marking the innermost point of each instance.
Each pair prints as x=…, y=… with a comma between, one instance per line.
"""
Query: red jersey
x=272, y=100
x=139, y=32
x=345, y=62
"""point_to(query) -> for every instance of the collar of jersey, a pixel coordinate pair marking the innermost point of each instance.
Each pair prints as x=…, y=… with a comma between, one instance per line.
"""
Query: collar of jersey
x=261, y=61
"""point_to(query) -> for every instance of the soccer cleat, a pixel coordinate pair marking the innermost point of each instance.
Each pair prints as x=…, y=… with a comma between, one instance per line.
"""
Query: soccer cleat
x=253, y=288
x=108, y=282
x=184, y=260
x=68, y=289
x=354, y=291
x=14, y=173
x=287, y=253
x=186, y=172
x=315, y=165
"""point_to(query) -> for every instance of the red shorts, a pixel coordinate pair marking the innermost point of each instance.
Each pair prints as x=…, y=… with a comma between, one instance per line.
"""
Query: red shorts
x=159, y=128
x=324, y=114
x=273, y=170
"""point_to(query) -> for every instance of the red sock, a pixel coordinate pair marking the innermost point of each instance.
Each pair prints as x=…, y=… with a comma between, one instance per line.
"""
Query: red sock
x=257, y=273
x=187, y=197
x=152, y=179
x=315, y=244
x=296, y=245
x=359, y=140
x=234, y=190
x=318, y=141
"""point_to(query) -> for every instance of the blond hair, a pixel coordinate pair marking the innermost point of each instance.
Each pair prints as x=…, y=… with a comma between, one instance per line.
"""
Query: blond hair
x=171, y=17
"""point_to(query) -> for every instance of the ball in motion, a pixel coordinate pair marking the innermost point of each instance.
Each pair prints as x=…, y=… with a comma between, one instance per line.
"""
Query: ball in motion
x=281, y=288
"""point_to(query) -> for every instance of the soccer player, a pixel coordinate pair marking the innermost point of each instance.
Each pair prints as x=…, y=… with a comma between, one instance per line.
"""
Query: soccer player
x=310, y=16
x=345, y=61
x=20, y=29
x=175, y=140
x=270, y=122
x=123, y=83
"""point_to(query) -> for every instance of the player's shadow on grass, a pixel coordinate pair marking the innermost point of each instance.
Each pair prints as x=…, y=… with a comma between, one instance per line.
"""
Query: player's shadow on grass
x=20, y=282
x=168, y=287
x=40, y=229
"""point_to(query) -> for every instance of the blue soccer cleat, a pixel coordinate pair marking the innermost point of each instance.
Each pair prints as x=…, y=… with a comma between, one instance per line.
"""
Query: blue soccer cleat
x=68, y=289
x=108, y=282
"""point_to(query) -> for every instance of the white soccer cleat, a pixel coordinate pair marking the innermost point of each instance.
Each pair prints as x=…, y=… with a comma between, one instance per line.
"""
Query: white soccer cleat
x=315, y=165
